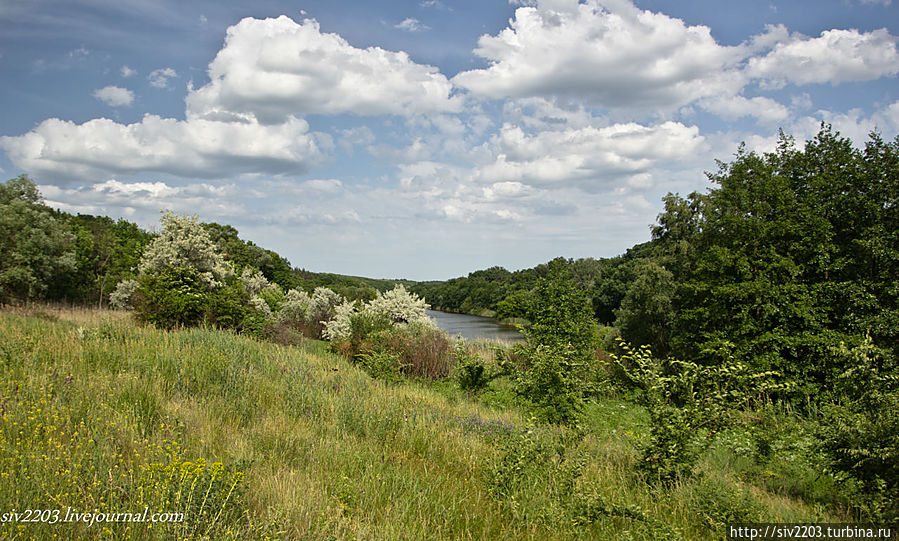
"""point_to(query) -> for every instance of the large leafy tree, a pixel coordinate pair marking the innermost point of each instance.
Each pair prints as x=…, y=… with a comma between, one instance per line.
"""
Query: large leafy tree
x=792, y=253
x=35, y=245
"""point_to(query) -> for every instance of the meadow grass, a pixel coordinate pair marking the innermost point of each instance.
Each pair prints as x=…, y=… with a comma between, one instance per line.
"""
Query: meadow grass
x=253, y=440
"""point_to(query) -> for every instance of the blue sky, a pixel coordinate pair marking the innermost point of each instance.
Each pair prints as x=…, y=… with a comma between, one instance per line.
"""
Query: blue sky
x=424, y=139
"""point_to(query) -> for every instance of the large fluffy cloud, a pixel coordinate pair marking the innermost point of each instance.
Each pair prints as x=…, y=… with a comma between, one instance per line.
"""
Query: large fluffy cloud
x=607, y=58
x=837, y=56
x=595, y=159
x=612, y=55
x=58, y=149
x=272, y=68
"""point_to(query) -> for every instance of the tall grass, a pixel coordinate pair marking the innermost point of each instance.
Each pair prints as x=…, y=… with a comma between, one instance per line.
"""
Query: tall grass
x=253, y=440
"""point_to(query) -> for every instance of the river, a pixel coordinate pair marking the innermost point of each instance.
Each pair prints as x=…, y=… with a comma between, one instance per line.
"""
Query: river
x=475, y=327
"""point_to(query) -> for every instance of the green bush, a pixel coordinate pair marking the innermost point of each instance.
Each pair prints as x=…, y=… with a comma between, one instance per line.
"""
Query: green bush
x=552, y=382
x=173, y=297
x=227, y=307
x=381, y=363
x=421, y=349
x=860, y=436
x=719, y=503
x=472, y=372
x=687, y=404
x=559, y=359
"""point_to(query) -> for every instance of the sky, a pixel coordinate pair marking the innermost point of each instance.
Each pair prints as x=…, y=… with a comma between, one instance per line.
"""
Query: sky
x=424, y=139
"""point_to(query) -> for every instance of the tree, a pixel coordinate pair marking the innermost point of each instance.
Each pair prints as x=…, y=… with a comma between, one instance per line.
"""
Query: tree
x=34, y=245
x=792, y=253
x=185, y=243
x=561, y=315
x=560, y=348
x=645, y=315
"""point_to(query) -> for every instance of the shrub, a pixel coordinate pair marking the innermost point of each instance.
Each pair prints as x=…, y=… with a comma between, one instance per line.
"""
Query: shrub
x=171, y=298
x=228, y=306
x=258, y=303
x=124, y=290
x=720, y=503
x=340, y=327
x=253, y=281
x=687, y=404
x=273, y=297
x=184, y=243
x=400, y=306
x=322, y=307
x=558, y=362
x=552, y=381
x=561, y=316
x=381, y=363
x=423, y=349
x=294, y=309
x=260, y=288
x=365, y=330
x=860, y=437
x=393, y=322
x=471, y=370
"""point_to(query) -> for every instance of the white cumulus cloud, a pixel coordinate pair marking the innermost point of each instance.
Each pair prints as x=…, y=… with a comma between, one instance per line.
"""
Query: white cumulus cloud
x=142, y=201
x=114, y=96
x=591, y=158
x=836, y=56
x=411, y=24
x=198, y=148
x=272, y=68
x=609, y=58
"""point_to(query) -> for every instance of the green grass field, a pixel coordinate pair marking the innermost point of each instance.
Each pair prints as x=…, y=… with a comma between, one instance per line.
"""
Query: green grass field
x=252, y=440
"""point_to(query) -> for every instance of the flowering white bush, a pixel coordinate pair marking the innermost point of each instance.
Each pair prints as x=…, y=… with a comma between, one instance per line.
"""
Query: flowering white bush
x=185, y=243
x=400, y=306
x=322, y=305
x=260, y=305
x=339, y=327
x=253, y=281
x=121, y=297
x=294, y=307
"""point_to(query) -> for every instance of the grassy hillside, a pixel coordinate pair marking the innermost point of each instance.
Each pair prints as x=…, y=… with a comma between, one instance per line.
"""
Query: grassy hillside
x=254, y=440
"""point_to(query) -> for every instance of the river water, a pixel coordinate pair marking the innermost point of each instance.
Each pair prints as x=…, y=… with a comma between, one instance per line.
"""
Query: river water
x=475, y=327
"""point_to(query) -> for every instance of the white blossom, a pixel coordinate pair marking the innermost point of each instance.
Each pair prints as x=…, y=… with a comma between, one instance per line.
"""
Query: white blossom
x=121, y=297
x=323, y=303
x=295, y=307
x=339, y=327
x=253, y=281
x=400, y=306
x=185, y=243
x=260, y=305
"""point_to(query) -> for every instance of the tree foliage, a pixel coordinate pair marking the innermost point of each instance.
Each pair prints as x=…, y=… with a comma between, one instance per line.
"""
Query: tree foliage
x=35, y=245
x=185, y=243
x=791, y=254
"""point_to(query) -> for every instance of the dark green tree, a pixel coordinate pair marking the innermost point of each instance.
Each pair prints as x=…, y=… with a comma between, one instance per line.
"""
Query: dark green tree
x=35, y=245
x=646, y=312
